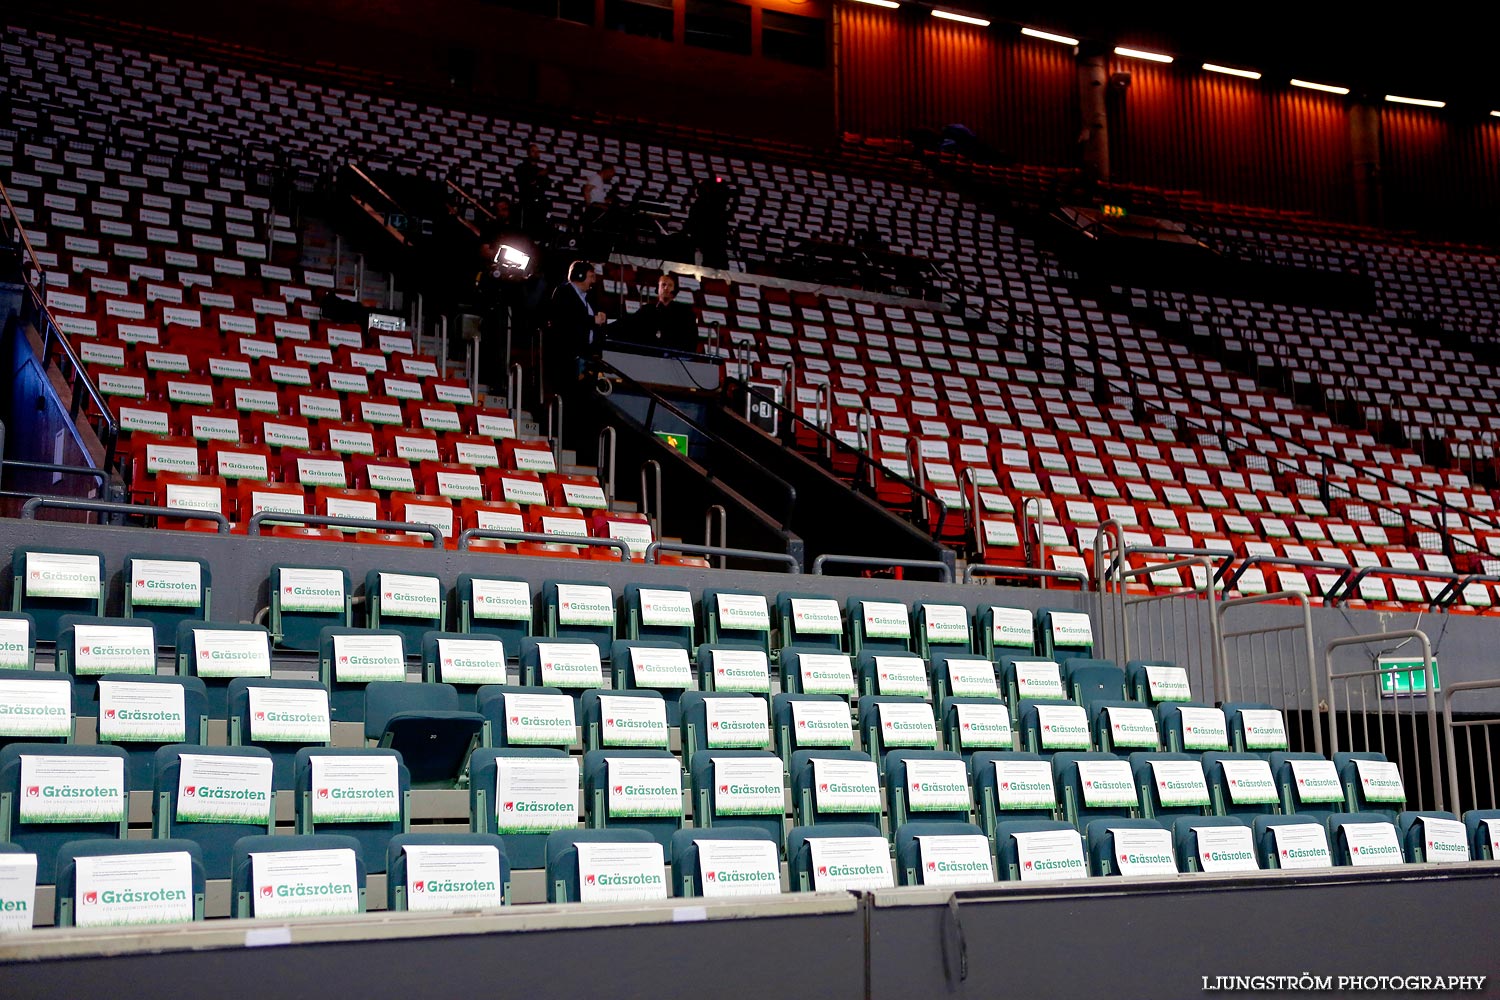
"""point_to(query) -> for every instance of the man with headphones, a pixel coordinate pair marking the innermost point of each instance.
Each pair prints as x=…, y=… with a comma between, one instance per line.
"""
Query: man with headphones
x=575, y=327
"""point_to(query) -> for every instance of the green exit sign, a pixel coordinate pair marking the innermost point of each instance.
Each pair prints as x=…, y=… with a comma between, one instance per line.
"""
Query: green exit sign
x=676, y=441
x=1405, y=676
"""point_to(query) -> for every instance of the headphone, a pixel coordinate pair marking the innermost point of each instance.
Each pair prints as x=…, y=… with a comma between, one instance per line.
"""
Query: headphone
x=579, y=270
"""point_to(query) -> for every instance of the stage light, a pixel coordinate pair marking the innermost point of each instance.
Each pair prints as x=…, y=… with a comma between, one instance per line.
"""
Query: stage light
x=948, y=15
x=1248, y=74
x=1324, y=87
x=1495, y=114
x=1048, y=36
x=1121, y=50
x=514, y=260
x=891, y=4
x=1420, y=102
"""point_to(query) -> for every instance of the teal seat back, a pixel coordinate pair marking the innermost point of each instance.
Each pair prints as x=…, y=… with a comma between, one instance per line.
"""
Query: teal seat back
x=501, y=612
x=162, y=592
x=562, y=857
x=215, y=838
x=910, y=869
x=397, y=882
x=31, y=582
x=65, y=899
x=298, y=629
x=523, y=850
x=242, y=881
x=687, y=873
x=242, y=729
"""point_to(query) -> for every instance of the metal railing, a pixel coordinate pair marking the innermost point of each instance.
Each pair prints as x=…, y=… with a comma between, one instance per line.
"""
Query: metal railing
x=1278, y=665
x=258, y=521
x=1394, y=733
x=1481, y=791
x=944, y=571
x=533, y=536
x=30, y=507
x=686, y=548
x=53, y=337
x=975, y=571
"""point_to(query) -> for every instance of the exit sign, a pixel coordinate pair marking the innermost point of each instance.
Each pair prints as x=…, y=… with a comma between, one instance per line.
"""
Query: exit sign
x=1406, y=676
x=678, y=442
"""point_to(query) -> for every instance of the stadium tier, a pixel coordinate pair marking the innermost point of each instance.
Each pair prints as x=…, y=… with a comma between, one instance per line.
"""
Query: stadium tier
x=1026, y=580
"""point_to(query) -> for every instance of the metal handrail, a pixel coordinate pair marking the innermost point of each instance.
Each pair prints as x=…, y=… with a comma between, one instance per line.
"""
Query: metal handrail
x=1431, y=710
x=944, y=570
x=30, y=507
x=1459, y=586
x=339, y=521
x=606, y=463
x=1349, y=586
x=1280, y=596
x=52, y=332
x=1450, y=744
x=831, y=442
x=1344, y=569
x=987, y=569
x=536, y=536
x=658, y=400
x=790, y=561
x=652, y=510
x=67, y=470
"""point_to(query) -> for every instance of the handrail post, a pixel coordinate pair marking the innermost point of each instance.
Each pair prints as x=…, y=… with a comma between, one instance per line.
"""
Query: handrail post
x=606, y=463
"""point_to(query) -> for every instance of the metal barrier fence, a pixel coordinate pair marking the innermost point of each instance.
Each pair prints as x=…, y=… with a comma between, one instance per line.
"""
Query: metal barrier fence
x=1469, y=745
x=1364, y=717
x=1275, y=664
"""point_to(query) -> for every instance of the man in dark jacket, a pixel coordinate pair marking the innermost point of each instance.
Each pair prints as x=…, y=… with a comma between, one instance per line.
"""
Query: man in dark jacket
x=575, y=328
x=663, y=322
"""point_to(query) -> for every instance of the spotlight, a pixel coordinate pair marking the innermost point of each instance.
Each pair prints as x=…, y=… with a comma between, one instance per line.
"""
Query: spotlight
x=515, y=258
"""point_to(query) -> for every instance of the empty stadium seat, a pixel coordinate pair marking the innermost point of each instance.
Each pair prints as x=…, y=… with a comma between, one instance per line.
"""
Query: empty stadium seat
x=887, y=724
x=1130, y=847
x=1170, y=784
x=845, y=855
x=813, y=621
x=623, y=719
x=1361, y=838
x=878, y=625
x=657, y=665
x=50, y=583
x=1150, y=682
x=427, y=725
x=90, y=648
x=218, y=652
x=144, y=713
x=17, y=641
x=523, y=794
x=1029, y=677
x=35, y=707
x=40, y=821
x=1241, y=784
x=213, y=797
x=930, y=852
x=351, y=658
x=1063, y=633
x=926, y=786
x=1050, y=725
x=358, y=791
x=1214, y=844
x=942, y=628
x=495, y=605
x=465, y=661
x=739, y=788
x=834, y=786
x=167, y=592
x=408, y=604
x=1088, y=680
x=302, y=875
x=305, y=600
x=1011, y=786
x=639, y=789
x=1092, y=786
x=1371, y=783
x=1309, y=783
x=282, y=717
x=810, y=720
x=93, y=874
x=818, y=670
x=1123, y=726
x=573, y=666
x=615, y=864
x=1002, y=631
x=1255, y=727
x=1433, y=837
x=1483, y=826
x=1034, y=850
x=517, y=716
x=725, y=861
x=662, y=614
x=723, y=721
x=741, y=617
x=579, y=611
x=438, y=872
x=1193, y=728
x=1291, y=842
